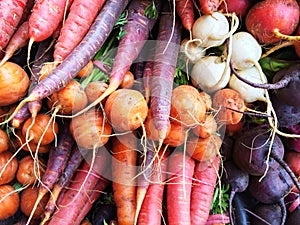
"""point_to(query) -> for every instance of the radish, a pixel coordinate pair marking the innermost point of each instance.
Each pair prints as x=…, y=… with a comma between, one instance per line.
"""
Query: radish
x=210, y=74
x=271, y=20
x=212, y=30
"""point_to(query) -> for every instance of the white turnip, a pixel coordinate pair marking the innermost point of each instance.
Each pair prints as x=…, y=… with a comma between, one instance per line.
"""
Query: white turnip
x=210, y=74
x=212, y=30
x=249, y=93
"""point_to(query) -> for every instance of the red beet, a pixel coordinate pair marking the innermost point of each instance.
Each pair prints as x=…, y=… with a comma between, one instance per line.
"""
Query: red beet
x=266, y=16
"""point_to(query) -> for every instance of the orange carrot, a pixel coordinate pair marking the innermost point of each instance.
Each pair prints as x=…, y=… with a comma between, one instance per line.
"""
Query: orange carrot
x=185, y=10
x=209, y=6
x=123, y=175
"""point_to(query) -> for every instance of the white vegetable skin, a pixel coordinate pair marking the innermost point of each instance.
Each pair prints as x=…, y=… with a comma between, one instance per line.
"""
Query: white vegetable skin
x=191, y=50
x=245, y=50
x=210, y=74
x=249, y=93
x=211, y=30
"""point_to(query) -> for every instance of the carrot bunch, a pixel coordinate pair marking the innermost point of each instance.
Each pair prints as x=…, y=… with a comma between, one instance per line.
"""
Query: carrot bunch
x=106, y=107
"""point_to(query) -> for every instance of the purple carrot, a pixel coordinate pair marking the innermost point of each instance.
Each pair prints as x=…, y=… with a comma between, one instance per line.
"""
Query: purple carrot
x=137, y=69
x=164, y=65
x=76, y=197
x=146, y=78
x=137, y=31
x=73, y=163
x=57, y=161
x=40, y=57
x=85, y=51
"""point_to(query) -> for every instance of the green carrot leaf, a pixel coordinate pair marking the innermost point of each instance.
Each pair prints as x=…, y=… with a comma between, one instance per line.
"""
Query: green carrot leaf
x=151, y=11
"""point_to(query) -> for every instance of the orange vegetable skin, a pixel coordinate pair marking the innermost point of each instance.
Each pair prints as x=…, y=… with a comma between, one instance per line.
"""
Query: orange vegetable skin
x=123, y=174
x=14, y=83
x=128, y=80
x=225, y=101
x=94, y=89
x=86, y=70
x=41, y=129
x=176, y=135
x=27, y=201
x=151, y=131
x=207, y=128
x=3, y=141
x=11, y=168
x=90, y=130
x=71, y=99
x=27, y=172
x=203, y=149
x=187, y=106
x=20, y=139
x=9, y=202
x=126, y=109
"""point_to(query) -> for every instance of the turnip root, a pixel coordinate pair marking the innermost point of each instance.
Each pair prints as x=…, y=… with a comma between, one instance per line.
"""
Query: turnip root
x=246, y=51
x=249, y=93
x=212, y=30
x=208, y=72
x=191, y=50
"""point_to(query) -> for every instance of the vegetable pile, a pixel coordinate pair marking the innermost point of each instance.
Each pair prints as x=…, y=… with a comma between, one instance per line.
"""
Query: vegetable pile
x=149, y=112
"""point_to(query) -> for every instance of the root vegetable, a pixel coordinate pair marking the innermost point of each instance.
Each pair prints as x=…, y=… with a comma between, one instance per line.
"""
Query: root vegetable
x=226, y=101
x=4, y=141
x=247, y=92
x=28, y=173
x=90, y=130
x=14, y=83
x=204, y=149
x=27, y=202
x=210, y=74
x=282, y=17
x=8, y=167
x=211, y=30
x=187, y=106
x=42, y=130
x=9, y=200
x=126, y=109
